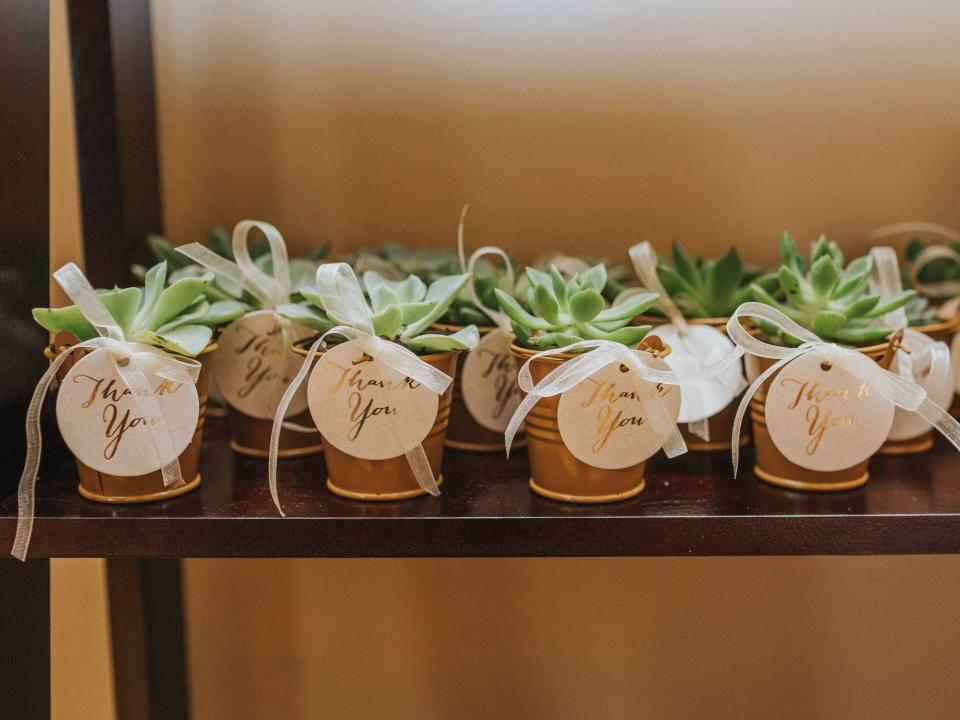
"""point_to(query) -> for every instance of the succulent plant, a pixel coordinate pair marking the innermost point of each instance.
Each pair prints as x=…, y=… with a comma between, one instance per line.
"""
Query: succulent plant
x=710, y=288
x=396, y=262
x=402, y=310
x=827, y=298
x=619, y=277
x=178, y=317
x=938, y=270
x=180, y=266
x=565, y=311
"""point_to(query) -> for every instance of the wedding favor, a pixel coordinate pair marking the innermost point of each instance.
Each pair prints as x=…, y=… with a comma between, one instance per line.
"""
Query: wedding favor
x=131, y=398
x=921, y=359
x=254, y=364
x=696, y=298
x=381, y=394
x=823, y=401
x=596, y=408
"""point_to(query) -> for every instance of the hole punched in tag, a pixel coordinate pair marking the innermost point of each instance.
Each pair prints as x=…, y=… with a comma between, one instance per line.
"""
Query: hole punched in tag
x=825, y=366
x=363, y=359
x=624, y=368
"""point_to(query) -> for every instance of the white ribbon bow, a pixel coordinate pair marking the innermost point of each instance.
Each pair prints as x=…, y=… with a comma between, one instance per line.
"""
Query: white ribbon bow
x=602, y=353
x=270, y=291
x=902, y=393
x=886, y=282
x=946, y=288
x=344, y=302
x=497, y=316
x=644, y=261
x=132, y=365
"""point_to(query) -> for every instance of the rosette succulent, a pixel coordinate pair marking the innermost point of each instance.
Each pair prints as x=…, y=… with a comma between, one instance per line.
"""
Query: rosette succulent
x=401, y=310
x=619, y=277
x=827, y=298
x=177, y=317
x=565, y=311
x=710, y=288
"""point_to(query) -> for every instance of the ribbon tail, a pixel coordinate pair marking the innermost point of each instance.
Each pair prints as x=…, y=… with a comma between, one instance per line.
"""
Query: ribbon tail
x=700, y=428
x=417, y=459
x=26, y=491
x=526, y=405
x=945, y=423
x=278, y=421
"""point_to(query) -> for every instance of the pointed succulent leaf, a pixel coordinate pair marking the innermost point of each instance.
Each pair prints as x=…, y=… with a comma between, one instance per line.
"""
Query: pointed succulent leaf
x=685, y=266
x=164, y=250
x=381, y=295
x=441, y=293
x=153, y=282
x=827, y=322
x=594, y=277
x=515, y=312
x=628, y=308
x=789, y=255
x=388, y=322
x=891, y=304
x=761, y=295
x=307, y=315
x=559, y=286
x=545, y=304
x=824, y=276
x=862, y=334
x=553, y=339
x=861, y=306
x=175, y=299
x=464, y=339
x=189, y=340
x=723, y=277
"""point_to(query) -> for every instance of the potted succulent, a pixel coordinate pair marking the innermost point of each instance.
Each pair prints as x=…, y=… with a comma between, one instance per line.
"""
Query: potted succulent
x=833, y=301
x=697, y=298
x=253, y=365
x=401, y=312
x=178, y=320
x=563, y=312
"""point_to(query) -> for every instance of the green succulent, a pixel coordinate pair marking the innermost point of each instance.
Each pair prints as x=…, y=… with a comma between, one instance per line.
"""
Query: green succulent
x=566, y=311
x=619, y=277
x=396, y=262
x=402, y=310
x=943, y=269
x=178, y=317
x=710, y=288
x=180, y=266
x=827, y=298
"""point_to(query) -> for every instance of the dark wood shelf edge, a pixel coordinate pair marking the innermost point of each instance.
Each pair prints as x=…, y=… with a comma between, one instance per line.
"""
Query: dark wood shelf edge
x=499, y=537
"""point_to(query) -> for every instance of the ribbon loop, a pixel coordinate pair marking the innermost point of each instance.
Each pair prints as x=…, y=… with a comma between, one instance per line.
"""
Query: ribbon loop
x=497, y=316
x=945, y=288
x=644, y=261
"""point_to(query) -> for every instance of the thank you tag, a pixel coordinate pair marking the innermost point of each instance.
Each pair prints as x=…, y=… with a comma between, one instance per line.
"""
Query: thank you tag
x=101, y=422
x=365, y=408
x=906, y=424
x=823, y=417
x=702, y=346
x=251, y=365
x=489, y=382
x=603, y=421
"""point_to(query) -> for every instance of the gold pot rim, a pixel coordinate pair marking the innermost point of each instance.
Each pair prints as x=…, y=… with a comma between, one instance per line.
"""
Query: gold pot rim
x=937, y=327
x=719, y=322
x=527, y=353
x=444, y=327
x=302, y=351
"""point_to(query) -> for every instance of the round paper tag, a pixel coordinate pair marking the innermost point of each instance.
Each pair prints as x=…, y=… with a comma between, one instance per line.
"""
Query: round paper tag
x=489, y=382
x=602, y=419
x=365, y=408
x=823, y=417
x=907, y=424
x=102, y=425
x=701, y=347
x=253, y=365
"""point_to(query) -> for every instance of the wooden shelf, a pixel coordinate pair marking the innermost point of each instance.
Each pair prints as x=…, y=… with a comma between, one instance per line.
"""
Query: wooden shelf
x=692, y=506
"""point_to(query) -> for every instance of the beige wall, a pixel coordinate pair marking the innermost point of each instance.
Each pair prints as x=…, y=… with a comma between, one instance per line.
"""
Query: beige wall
x=565, y=125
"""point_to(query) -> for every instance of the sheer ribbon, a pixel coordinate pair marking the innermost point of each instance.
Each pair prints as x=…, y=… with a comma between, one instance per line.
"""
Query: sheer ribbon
x=602, y=353
x=132, y=363
x=945, y=288
x=902, y=393
x=497, y=316
x=644, y=261
x=344, y=302
x=270, y=291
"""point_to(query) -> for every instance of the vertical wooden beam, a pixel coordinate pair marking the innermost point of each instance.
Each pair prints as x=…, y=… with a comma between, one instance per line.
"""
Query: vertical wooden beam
x=146, y=624
x=115, y=108
x=25, y=639
x=24, y=209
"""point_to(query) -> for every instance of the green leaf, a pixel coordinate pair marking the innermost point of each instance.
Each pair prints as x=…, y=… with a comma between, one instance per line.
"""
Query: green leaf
x=164, y=250
x=306, y=315
x=629, y=308
x=852, y=285
x=545, y=305
x=538, y=277
x=862, y=334
x=630, y=336
x=586, y=304
x=595, y=278
x=552, y=340
x=723, y=278
x=388, y=322
x=122, y=304
x=65, y=319
x=762, y=296
x=685, y=266
x=175, y=299
x=382, y=296
x=559, y=286
x=189, y=340
x=789, y=255
x=861, y=306
x=441, y=293
x=824, y=276
x=914, y=248
x=827, y=322
x=893, y=303
x=153, y=282
x=464, y=339
x=513, y=309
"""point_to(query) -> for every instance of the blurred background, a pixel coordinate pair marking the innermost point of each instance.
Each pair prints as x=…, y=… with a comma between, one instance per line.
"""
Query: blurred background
x=576, y=126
